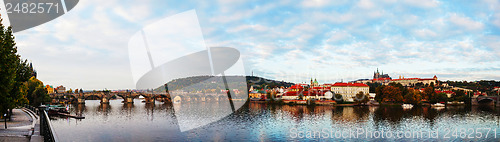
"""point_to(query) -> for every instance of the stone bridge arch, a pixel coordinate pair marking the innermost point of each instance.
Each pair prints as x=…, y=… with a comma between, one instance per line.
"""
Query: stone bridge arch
x=485, y=100
x=165, y=97
x=89, y=96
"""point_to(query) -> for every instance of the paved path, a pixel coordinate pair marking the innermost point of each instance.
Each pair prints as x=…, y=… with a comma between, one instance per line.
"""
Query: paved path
x=19, y=129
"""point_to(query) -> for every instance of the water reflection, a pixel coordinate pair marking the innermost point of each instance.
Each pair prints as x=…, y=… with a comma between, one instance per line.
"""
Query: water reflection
x=127, y=109
x=259, y=122
x=104, y=109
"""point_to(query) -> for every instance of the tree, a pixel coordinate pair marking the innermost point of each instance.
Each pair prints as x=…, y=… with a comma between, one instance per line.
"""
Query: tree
x=460, y=96
x=429, y=94
x=379, y=93
x=392, y=94
x=338, y=98
x=401, y=87
x=9, y=61
x=413, y=97
x=36, y=93
x=301, y=96
x=441, y=97
x=361, y=98
x=373, y=86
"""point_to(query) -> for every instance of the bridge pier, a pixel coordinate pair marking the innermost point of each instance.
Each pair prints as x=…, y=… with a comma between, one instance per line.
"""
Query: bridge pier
x=497, y=102
x=149, y=100
x=129, y=100
x=81, y=101
x=104, y=100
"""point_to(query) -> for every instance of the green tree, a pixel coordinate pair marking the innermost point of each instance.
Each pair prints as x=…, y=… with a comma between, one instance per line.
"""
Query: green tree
x=9, y=61
x=441, y=97
x=338, y=98
x=361, y=98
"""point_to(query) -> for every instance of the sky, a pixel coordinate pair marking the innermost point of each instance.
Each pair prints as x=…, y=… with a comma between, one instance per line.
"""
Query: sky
x=295, y=41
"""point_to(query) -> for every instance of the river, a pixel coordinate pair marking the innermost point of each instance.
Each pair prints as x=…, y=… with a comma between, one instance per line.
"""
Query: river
x=263, y=122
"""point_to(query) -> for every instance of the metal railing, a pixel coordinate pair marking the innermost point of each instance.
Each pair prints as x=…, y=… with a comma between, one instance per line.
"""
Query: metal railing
x=34, y=109
x=46, y=129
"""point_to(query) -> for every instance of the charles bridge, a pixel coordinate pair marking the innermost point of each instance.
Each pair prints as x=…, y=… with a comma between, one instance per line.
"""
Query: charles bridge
x=149, y=97
x=488, y=100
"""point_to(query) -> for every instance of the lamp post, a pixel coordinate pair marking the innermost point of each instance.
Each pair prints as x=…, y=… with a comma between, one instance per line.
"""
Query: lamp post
x=5, y=120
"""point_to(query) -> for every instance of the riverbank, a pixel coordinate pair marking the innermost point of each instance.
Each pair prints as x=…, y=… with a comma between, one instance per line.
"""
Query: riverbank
x=24, y=126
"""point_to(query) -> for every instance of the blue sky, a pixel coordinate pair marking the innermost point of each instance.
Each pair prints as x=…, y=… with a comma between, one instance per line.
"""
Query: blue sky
x=286, y=40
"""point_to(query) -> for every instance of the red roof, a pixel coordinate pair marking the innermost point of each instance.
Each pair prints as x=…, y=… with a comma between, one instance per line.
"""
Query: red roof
x=296, y=86
x=381, y=79
x=447, y=92
x=406, y=79
x=350, y=84
x=426, y=79
x=321, y=88
x=291, y=93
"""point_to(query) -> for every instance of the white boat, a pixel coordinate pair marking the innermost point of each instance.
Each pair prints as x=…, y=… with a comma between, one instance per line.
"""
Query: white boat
x=437, y=105
x=177, y=100
x=407, y=106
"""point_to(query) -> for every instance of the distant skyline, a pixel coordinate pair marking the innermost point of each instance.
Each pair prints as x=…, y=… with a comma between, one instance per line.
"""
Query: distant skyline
x=285, y=40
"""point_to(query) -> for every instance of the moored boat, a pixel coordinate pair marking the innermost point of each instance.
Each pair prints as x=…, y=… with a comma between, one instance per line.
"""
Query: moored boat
x=437, y=105
x=407, y=106
x=55, y=109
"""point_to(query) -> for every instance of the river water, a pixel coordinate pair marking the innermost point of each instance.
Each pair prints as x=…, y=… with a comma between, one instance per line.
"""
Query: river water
x=262, y=122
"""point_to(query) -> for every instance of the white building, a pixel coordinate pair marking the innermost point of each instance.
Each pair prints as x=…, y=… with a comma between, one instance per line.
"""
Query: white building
x=349, y=90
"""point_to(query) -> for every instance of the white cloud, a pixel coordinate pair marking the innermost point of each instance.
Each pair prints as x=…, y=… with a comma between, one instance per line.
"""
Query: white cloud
x=338, y=36
x=366, y=4
x=423, y=3
x=496, y=20
x=425, y=33
x=255, y=27
x=239, y=14
x=466, y=22
x=134, y=13
x=305, y=36
x=315, y=3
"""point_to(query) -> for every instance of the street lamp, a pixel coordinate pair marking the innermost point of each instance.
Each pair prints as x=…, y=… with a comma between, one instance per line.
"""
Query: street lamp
x=5, y=120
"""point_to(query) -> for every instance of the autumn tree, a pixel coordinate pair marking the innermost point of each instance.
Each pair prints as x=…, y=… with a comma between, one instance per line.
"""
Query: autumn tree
x=429, y=94
x=36, y=92
x=393, y=94
x=413, y=97
x=379, y=94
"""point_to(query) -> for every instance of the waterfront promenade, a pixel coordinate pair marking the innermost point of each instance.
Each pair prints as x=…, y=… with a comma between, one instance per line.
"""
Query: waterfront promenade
x=24, y=127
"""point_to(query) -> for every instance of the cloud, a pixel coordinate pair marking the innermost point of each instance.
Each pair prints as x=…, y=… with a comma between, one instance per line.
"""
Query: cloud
x=336, y=39
x=246, y=28
x=315, y=3
x=422, y=3
x=425, y=33
x=366, y=4
x=496, y=20
x=466, y=22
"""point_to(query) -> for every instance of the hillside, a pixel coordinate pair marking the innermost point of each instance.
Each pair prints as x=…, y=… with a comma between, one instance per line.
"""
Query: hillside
x=213, y=84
